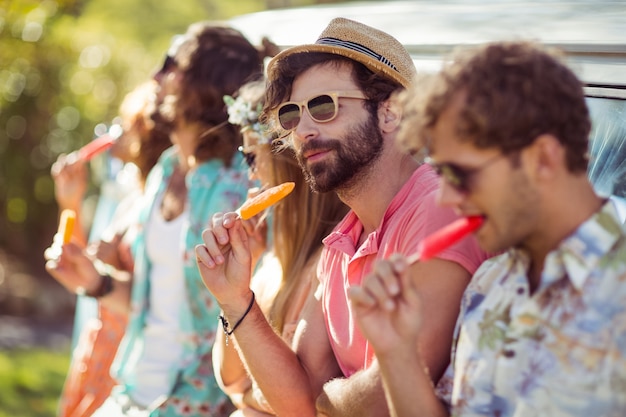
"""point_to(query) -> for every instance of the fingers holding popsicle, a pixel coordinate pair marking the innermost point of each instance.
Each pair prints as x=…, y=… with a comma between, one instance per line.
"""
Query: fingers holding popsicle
x=70, y=176
x=224, y=258
x=387, y=305
x=68, y=263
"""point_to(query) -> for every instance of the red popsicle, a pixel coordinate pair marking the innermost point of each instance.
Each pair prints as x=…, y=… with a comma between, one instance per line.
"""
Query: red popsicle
x=445, y=237
x=93, y=148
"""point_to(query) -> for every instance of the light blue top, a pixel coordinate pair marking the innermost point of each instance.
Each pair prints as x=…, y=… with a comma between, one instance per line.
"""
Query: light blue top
x=212, y=187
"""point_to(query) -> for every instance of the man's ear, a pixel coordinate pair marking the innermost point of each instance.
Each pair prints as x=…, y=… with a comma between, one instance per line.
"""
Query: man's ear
x=548, y=156
x=389, y=115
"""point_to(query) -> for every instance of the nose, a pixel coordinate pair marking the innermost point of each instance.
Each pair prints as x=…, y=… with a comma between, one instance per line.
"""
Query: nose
x=449, y=196
x=307, y=127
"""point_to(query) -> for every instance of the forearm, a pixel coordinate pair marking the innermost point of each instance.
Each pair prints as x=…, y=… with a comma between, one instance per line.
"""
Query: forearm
x=255, y=399
x=360, y=395
x=274, y=366
x=230, y=373
x=408, y=386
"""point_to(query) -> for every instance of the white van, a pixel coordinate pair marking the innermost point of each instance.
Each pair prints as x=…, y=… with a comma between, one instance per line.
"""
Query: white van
x=591, y=32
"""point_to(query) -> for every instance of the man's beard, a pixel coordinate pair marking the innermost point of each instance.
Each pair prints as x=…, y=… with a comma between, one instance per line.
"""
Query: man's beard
x=361, y=147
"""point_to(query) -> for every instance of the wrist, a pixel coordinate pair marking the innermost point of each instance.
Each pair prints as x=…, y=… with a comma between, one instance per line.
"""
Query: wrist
x=104, y=287
x=229, y=328
x=236, y=306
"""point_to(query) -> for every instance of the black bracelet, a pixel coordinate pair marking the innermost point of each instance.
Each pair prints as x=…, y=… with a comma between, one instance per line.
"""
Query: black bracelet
x=105, y=287
x=226, y=325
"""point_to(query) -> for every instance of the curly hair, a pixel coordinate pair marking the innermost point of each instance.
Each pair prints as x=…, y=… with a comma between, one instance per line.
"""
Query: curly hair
x=377, y=88
x=214, y=61
x=515, y=92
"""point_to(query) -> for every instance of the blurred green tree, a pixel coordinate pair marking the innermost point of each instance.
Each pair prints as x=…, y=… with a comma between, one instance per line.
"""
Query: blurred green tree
x=64, y=67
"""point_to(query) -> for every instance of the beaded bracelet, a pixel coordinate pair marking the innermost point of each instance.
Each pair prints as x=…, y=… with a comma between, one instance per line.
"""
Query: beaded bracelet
x=226, y=325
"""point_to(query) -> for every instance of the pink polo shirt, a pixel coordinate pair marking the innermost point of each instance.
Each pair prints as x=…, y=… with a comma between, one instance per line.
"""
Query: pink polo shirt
x=411, y=215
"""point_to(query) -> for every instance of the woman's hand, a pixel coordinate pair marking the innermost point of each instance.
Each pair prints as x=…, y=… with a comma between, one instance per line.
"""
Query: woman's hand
x=70, y=181
x=72, y=268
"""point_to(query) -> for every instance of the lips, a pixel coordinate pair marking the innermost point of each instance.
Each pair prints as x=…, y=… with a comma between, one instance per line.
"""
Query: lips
x=313, y=155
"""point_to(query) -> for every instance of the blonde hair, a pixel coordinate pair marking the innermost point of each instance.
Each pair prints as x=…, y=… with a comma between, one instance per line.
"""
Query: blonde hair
x=301, y=221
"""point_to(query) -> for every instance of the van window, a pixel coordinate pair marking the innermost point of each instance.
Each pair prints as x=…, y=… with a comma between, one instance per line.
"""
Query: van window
x=607, y=168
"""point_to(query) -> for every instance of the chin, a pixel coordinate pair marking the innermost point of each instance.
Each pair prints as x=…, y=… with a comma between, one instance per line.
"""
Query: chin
x=319, y=188
x=489, y=241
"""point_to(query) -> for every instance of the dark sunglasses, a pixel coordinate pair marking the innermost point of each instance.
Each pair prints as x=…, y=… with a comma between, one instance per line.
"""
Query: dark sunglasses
x=168, y=65
x=322, y=108
x=250, y=157
x=457, y=177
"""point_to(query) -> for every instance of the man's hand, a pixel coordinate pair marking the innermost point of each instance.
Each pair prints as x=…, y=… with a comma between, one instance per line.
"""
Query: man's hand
x=224, y=261
x=387, y=306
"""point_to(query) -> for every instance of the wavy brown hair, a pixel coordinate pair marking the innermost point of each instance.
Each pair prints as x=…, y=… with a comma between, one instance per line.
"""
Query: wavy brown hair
x=139, y=111
x=214, y=60
x=515, y=91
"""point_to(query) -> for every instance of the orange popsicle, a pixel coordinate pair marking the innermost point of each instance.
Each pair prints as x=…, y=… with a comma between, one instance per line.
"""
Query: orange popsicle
x=258, y=203
x=66, y=224
x=445, y=237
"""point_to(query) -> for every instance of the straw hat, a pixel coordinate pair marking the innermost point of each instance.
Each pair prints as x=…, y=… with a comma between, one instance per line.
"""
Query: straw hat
x=377, y=50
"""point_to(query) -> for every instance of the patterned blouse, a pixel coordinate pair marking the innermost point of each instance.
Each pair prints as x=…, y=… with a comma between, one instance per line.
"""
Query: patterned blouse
x=560, y=351
x=212, y=187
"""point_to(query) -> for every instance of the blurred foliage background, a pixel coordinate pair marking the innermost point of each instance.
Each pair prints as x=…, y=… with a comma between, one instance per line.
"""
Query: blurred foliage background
x=64, y=67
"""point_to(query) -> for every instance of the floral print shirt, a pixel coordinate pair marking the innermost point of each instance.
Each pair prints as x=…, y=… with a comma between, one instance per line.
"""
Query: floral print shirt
x=560, y=351
x=212, y=187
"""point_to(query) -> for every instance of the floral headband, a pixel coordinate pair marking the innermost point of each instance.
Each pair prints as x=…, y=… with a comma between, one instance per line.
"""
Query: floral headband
x=240, y=113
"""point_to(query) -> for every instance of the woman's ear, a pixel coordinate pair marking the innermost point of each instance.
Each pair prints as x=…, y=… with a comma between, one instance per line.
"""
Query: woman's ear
x=389, y=115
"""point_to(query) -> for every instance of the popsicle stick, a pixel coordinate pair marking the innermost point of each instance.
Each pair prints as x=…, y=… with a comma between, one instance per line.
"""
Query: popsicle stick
x=66, y=224
x=96, y=146
x=445, y=237
x=260, y=202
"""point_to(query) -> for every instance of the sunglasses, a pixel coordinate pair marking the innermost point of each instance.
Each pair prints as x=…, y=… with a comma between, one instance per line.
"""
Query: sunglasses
x=250, y=157
x=322, y=108
x=169, y=63
x=457, y=177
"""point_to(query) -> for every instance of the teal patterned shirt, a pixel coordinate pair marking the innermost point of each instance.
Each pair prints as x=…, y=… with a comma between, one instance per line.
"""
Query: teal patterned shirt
x=212, y=187
x=560, y=351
